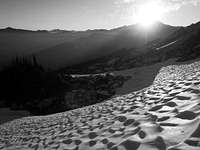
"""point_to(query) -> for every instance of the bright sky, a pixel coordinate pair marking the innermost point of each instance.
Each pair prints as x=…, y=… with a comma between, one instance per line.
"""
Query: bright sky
x=91, y=14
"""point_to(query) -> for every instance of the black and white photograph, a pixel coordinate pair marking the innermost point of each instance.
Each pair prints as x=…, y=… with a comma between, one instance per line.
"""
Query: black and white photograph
x=99, y=74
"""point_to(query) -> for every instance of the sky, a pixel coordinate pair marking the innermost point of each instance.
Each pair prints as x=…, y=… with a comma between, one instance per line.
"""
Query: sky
x=90, y=14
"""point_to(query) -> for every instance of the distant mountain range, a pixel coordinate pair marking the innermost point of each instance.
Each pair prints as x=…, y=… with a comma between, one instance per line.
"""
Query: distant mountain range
x=59, y=48
x=183, y=44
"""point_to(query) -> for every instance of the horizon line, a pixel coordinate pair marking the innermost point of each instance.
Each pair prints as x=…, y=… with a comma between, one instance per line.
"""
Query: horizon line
x=74, y=30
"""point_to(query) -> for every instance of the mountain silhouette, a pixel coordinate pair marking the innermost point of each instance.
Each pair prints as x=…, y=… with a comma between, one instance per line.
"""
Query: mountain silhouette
x=59, y=48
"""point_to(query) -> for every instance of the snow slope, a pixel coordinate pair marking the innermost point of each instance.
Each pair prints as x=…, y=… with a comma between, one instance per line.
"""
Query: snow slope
x=163, y=116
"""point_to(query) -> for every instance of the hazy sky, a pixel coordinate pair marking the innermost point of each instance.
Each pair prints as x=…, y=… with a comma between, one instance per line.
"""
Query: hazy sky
x=89, y=14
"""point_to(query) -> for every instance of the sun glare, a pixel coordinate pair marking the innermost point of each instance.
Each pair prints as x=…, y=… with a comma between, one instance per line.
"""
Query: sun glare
x=149, y=13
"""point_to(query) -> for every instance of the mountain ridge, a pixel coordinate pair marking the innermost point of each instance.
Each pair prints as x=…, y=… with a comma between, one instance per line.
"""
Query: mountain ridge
x=9, y=28
x=60, y=48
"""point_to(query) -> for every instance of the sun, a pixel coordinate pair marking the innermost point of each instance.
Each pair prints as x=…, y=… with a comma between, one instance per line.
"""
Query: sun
x=149, y=13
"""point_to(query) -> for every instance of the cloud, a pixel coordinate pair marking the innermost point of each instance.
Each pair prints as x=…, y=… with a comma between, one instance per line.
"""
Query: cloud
x=168, y=4
x=127, y=10
x=176, y=4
